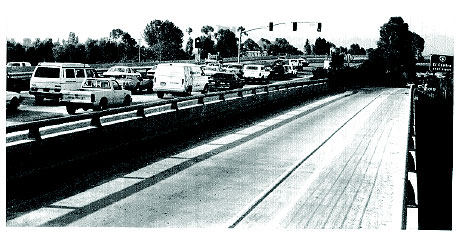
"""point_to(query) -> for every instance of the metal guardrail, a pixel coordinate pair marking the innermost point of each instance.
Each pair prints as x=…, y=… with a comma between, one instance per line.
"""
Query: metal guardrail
x=34, y=127
x=409, y=198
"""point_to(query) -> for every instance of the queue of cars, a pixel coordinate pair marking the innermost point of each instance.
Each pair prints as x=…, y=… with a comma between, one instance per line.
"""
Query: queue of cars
x=78, y=85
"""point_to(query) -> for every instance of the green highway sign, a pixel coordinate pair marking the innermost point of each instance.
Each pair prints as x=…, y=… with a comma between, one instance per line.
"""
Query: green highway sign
x=441, y=63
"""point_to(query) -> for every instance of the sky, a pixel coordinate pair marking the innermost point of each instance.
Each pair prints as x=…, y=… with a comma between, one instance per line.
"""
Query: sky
x=343, y=22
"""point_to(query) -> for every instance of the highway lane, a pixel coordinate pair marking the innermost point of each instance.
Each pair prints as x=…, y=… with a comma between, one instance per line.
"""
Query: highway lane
x=221, y=178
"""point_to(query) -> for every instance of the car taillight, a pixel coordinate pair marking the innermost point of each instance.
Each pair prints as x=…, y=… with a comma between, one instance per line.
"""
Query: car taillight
x=92, y=98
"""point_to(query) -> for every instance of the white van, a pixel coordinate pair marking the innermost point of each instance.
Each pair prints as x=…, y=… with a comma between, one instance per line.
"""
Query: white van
x=179, y=78
x=50, y=79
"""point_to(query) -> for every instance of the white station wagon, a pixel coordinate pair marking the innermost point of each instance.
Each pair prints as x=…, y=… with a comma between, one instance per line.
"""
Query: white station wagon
x=97, y=94
x=255, y=73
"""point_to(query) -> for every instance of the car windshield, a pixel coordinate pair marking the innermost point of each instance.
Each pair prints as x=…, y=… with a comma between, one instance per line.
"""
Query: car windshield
x=234, y=67
x=222, y=76
x=93, y=83
x=170, y=71
x=47, y=72
x=117, y=69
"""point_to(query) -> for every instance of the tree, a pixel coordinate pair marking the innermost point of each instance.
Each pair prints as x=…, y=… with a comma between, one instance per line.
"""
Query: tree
x=164, y=38
x=282, y=46
x=72, y=38
x=190, y=43
x=418, y=46
x=307, y=48
x=93, y=51
x=321, y=46
x=14, y=51
x=115, y=34
x=207, y=30
x=354, y=49
x=251, y=45
x=226, y=43
x=264, y=44
x=127, y=47
x=397, y=51
x=207, y=47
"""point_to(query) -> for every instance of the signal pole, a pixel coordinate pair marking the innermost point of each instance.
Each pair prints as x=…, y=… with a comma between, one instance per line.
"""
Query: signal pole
x=270, y=27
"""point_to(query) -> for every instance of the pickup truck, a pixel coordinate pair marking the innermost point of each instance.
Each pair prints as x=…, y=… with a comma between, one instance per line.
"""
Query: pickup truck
x=96, y=94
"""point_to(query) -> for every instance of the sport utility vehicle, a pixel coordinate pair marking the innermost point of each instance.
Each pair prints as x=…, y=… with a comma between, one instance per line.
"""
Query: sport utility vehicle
x=50, y=79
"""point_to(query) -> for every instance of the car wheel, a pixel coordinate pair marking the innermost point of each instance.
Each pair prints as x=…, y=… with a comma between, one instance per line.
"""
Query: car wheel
x=14, y=104
x=71, y=109
x=160, y=94
x=103, y=104
x=205, y=89
x=189, y=91
x=127, y=100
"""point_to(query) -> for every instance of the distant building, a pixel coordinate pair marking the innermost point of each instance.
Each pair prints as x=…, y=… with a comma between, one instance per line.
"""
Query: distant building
x=254, y=53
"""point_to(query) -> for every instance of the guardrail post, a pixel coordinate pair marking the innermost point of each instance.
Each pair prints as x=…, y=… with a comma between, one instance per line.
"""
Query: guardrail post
x=277, y=88
x=95, y=121
x=140, y=113
x=254, y=91
x=240, y=94
x=201, y=100
x=34, y=133
x=222, y=97
x=266, y=89
x=174, y=105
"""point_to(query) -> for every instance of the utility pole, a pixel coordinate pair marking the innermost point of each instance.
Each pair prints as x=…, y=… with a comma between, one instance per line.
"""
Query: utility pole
x=139, y=50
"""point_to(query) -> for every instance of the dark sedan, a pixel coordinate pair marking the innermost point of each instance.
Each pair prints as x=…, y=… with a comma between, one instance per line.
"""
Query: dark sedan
x=224, y=81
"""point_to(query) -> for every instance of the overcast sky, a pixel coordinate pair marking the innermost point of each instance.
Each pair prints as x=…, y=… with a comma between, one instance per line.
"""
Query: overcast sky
x=343, y=22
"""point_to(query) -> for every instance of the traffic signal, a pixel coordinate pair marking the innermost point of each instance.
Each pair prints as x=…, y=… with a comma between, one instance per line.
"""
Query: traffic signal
x=319, y=26
x=198, y=43
x=294, y=26
x=271, y=26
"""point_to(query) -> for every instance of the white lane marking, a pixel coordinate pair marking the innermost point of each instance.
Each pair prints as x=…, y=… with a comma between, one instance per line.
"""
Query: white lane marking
x=197, y=151
x=96, y=193
x=156, y=168
x=37, y=217
x=228, y=139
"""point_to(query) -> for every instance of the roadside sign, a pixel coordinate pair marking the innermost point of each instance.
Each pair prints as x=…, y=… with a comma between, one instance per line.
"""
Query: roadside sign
x=441, y=63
